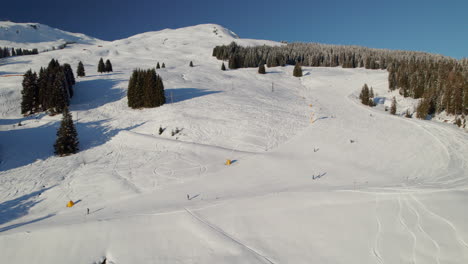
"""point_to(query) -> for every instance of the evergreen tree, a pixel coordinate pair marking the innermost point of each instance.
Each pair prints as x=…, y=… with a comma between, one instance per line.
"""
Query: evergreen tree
x=364, y=95
x=223, y=67
x=101, y=66
x=160, y=90
x=67, y=137
x=131, y=91
x=157, y=66
x=234, y=62
x=261, y=69
x=29, y=93
x=394, y=106
x=42, y=90
x=70, y=78
x=108, y=66
x=371, y=93
x=297, y=72
x=163, y=65
x=80, y=71
x=59, y=93
x=191, y=64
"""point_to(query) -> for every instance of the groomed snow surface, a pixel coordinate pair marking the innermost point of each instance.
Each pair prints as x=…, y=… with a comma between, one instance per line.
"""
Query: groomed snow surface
x=316, y=176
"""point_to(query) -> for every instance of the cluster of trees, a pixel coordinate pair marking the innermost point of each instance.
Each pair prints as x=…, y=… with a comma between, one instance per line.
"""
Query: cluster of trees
x=308, y=54
x=367, y=95
x=145, y=89
x=7, y=52
x=160, y=66
x=50, y=91
x=107, y=67
x=441, y=82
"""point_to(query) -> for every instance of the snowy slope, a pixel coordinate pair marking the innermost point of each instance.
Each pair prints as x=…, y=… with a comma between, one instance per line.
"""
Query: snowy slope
x=35, y=35
x=299, y=191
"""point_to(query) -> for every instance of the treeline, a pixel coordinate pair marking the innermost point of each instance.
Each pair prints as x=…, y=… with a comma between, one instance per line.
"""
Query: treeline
x=50, y=91
x=8, y=52
x=441, y=81
x=442, y=84
x=145, y=89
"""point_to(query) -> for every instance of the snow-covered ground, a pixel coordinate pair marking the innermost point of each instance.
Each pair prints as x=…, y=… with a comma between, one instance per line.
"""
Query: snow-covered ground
x=316, y=176
x=39, y=36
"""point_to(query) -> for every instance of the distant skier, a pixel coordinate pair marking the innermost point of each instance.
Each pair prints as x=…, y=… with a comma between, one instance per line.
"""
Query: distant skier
x=188, y=197
x=87, y=211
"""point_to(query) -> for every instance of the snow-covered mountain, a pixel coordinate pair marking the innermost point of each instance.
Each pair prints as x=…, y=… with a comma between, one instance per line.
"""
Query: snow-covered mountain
x=35, y=35
x=316, y=176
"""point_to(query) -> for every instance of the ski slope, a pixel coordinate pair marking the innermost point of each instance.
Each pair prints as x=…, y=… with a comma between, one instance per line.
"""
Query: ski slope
x=316, y=176
x=39, y=36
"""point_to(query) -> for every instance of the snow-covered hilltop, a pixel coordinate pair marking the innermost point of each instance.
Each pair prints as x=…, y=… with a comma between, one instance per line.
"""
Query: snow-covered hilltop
x=35, y=35
x=316, y=177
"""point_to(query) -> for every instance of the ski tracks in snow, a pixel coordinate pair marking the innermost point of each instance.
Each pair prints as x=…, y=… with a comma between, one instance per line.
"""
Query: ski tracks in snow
x=218, y=230
x=375, y=249
x=433, y=237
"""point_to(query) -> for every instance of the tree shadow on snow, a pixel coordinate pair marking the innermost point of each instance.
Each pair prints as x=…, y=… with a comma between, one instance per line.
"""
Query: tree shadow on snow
x=90, y=94
x=24, y=146
x=6, y=228
x=11, y=60
x=16, y=121
x=18, y=207
x=182, y=94
x=9, y=73
x=105, y=74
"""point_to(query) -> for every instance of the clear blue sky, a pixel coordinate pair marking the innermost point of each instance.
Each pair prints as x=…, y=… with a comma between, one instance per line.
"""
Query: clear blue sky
x=438, y=26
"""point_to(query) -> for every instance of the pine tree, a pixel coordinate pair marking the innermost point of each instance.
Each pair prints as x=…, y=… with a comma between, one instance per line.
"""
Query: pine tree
x=297, y=72
x=371, y=93
x=160, y=91
x=108, y=66
x=42, y=90
x=67, y=137
x=191, y=64
x=364, y=95
x=29, y=92
x=223, y=67
x=101, y=66
x=131, y=91
x=80, y=71
x=163, y=65
x=233, y=62
x=157, y=66
x=59, y=93
x=70, y=78
x=261, y=69
x=394, y=106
